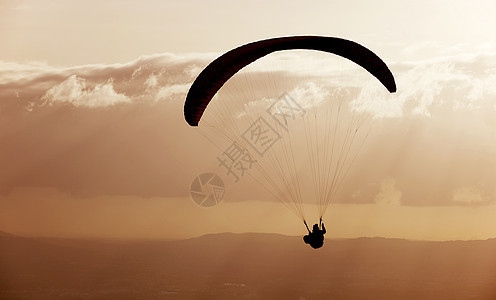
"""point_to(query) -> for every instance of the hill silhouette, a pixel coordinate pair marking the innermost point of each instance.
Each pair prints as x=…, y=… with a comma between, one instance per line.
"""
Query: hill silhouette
x=245, y=266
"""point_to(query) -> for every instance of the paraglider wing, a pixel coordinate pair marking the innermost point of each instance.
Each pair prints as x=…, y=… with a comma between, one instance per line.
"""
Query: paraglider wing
x=213, y=77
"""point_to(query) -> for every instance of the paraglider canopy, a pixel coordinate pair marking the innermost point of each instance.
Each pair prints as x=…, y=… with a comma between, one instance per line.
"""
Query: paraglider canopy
x=213, y=77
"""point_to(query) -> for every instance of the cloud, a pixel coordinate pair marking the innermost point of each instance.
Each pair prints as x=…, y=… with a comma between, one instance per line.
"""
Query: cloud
x=75, y=91
x=168, y=91
x=311, y=95
x=151, y=82
x=114, y=129
x=307, y=95
x=374, y=101
x=389, y=194
x=462, y=82
x=100, y=129
x=139, y=80
x=470, y=195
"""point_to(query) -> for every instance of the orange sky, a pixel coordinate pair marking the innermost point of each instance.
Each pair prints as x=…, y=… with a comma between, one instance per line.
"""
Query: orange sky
x=93, y=140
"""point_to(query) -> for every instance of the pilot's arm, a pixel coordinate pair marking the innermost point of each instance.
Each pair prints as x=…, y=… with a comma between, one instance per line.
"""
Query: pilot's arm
x=307, y=226
x=323, y=229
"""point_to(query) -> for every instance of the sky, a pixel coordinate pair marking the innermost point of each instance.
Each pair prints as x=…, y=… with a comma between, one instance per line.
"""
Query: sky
x=93, y=141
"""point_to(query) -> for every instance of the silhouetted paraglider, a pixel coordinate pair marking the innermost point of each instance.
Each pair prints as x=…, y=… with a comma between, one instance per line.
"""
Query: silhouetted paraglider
x=330, y=150
x=315, y=238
